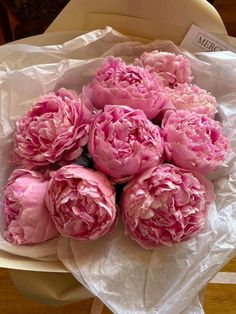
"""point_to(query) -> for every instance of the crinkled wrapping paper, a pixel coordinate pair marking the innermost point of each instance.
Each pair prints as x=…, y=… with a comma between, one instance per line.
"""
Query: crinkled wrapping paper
x=127, y=278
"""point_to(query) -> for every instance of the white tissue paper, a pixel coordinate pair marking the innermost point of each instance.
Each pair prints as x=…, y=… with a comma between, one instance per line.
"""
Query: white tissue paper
x=127, y=278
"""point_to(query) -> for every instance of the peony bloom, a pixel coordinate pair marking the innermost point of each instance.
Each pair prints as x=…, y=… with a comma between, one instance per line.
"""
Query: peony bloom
x=54, y=130
x=81, y=202
x=192, y=98
x=117, y=83
x=123, y=142
x=170, y=67
x=66, y=93
x=27, y=220
x=194, y=141
x=165, y=205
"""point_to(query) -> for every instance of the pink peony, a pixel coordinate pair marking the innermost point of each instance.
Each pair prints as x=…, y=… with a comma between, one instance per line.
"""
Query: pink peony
x=170, y=67
x=165, y=205
x=194, y=141
x=192, y=98
x=81, y=202
x=123, y=142
x=66, y=93
x=119, y=84
x=27, y=220
x=54, y=130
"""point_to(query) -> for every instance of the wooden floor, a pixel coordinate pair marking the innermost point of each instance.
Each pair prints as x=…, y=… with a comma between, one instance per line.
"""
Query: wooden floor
x=219, y=298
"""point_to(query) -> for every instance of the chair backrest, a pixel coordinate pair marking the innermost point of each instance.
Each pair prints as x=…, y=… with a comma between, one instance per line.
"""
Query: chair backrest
x=149, y=19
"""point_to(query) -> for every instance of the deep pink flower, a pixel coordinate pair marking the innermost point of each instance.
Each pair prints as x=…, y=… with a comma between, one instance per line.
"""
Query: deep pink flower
x=54, y=130
x=117, y=83
x=123, y=142
x=170, y=67
x=192, y=98
x=81, y=202
x=194, y=141
x=27, y=220
x=165, y=205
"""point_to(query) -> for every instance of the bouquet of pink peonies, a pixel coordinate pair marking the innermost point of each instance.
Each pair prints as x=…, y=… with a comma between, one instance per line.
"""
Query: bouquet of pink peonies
x=152, y=176
x=114, y=166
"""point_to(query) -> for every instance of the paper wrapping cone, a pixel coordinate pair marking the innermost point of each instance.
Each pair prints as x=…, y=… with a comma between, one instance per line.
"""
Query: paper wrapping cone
x=55, y=289
x=164, y=19
x=152, y=19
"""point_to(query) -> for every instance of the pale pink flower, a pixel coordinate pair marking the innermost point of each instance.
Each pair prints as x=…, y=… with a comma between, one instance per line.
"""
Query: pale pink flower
x=27, y=220
x=194, y=141
x=170, y=67
x=117, y=83
x=192, y=98
x=54, y=130
x=81, y=202
x=165, y=205
x=66, y=93
x=123, y=142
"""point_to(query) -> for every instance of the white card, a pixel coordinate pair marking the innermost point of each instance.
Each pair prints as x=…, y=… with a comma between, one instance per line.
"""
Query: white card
x=197, y=40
